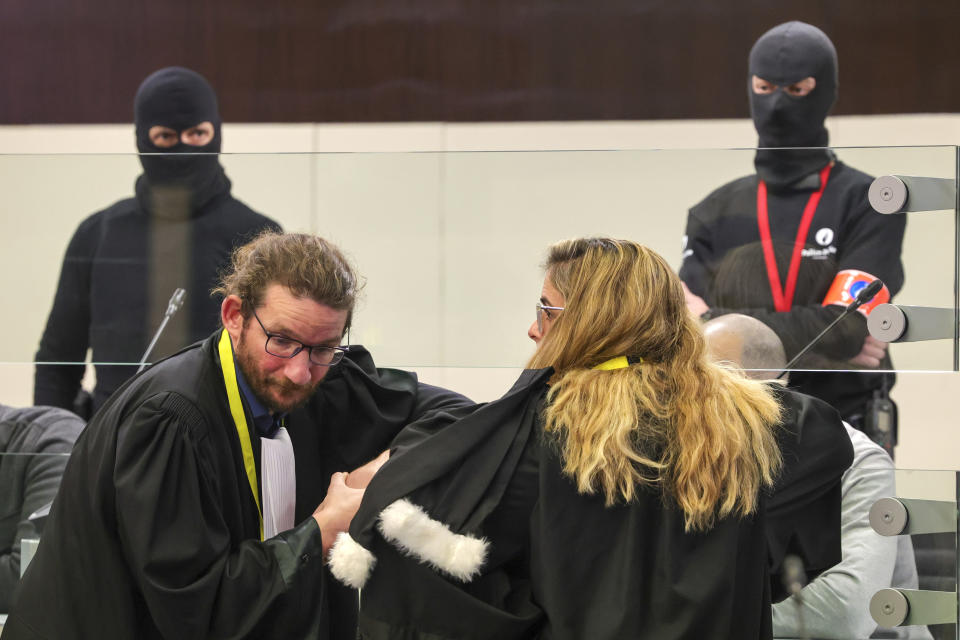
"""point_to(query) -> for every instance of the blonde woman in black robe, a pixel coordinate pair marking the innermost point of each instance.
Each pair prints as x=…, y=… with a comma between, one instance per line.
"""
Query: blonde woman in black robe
x=617, y=491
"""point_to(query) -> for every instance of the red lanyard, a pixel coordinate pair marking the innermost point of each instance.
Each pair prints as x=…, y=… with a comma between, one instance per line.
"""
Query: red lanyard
x=783, y=300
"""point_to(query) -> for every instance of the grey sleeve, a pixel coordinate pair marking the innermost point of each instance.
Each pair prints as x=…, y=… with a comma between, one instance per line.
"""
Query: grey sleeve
x=836, y=603
x=41, y=455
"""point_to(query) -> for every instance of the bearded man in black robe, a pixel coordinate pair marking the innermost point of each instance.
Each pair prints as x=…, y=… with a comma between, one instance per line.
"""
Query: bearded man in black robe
x=188, y=508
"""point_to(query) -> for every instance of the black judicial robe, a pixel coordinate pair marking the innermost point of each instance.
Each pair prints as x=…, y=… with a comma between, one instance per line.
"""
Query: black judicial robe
x=357, y=412
x=155, y=532
x=803, y=512
x=560, y=564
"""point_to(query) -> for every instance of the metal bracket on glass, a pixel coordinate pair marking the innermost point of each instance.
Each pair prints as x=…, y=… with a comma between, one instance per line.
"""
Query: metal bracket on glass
x=905, y=607
x=901, y=323
x=902, y=194
x=903, y=516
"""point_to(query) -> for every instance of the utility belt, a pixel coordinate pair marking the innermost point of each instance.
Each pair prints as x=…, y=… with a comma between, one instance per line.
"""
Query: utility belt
x=879, y=420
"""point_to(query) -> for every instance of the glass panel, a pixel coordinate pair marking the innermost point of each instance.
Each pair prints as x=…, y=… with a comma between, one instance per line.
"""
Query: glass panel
x=504, y=209
x=929, y=246
x=45, y=198
x=935, y=554
x=385, y=211
x=449, y=243
x=127, y=260
x=835, y=603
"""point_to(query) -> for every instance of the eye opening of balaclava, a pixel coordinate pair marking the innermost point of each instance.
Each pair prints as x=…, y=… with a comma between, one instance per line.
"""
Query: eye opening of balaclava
x=178, y=98
x=782, y=56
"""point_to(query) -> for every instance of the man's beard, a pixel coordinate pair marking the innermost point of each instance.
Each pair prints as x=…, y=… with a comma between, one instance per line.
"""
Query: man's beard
x=277, y=394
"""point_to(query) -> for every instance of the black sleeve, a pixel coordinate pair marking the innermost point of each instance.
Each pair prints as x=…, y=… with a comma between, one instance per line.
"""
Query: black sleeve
x=66, y=336
x=698, y=254
x=435, y=408
x=195, y=581
x=803, y=515
x=432, y=399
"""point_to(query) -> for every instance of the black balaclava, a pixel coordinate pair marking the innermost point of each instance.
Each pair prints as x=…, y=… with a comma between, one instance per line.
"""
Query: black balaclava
x=177, y=98
x=783, y=55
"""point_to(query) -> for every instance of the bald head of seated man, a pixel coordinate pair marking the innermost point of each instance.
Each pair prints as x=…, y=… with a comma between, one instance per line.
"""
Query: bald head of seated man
x=747, y=343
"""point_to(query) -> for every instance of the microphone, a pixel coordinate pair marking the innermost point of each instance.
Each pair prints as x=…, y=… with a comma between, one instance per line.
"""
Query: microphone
x=794, y=576
x=866, y=295
x=176, y=301
x=863, y=297
x=794, y=579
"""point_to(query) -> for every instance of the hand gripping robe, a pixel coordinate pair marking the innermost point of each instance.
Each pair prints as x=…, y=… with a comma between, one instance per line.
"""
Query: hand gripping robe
x=156, y=533
x=473, y=531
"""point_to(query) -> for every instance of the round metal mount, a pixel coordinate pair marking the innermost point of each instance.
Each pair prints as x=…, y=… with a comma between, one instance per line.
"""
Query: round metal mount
x=887, y=194
x=889, y=607
x=888, y=517
x=887, y=322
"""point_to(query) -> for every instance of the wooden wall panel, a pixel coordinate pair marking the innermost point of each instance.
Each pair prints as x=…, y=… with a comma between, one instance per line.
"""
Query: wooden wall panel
x=79, y=61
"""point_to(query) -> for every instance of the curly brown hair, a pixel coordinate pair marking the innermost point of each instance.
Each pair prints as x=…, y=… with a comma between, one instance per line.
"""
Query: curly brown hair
x=307, y=265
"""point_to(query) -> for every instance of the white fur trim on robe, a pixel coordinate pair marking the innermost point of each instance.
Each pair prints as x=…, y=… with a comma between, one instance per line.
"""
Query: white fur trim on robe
x=409, y=528
x=349, y=562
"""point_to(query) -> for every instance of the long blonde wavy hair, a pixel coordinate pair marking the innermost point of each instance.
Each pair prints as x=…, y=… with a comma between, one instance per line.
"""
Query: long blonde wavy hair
x=675, y=421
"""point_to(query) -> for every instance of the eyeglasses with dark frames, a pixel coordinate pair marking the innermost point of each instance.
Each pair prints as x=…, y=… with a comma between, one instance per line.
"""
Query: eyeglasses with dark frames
x=284, y=347
x=541, y=309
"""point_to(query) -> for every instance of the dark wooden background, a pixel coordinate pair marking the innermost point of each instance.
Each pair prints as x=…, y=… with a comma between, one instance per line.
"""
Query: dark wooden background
x=428, y=60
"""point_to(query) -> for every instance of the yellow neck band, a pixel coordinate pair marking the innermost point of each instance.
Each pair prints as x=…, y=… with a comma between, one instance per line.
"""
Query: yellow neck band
x=225, y=348
x=620, y=362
